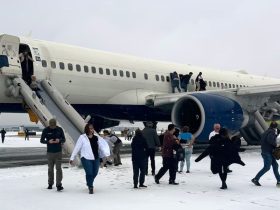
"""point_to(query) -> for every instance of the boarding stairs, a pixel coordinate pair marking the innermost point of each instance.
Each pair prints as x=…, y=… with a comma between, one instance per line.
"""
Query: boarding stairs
x=53, y=106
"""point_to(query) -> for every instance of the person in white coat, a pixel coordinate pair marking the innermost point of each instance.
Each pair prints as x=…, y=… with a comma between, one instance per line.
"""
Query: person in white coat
x=92, y=147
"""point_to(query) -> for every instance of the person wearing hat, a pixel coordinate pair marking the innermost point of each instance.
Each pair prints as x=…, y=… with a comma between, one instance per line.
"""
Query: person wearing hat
x=150, y=134
x=53, y=136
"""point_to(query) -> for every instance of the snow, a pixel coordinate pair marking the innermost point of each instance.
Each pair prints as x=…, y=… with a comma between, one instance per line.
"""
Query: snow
x=25, y=188
x=13, y=140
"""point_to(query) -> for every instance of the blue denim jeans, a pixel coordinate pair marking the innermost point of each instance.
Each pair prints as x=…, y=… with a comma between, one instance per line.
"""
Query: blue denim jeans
x=188, y=154
x=91, y=168
x=269, y=160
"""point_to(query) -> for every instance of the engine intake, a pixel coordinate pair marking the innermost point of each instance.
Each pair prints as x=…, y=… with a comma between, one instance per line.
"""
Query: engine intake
x=200, y=111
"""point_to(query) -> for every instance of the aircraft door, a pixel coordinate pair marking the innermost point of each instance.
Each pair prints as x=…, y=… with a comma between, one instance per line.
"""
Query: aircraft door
x=9, y=60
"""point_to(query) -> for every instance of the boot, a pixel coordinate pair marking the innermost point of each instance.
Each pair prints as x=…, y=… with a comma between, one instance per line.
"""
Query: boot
x=224, y=186
x=59, y=188
x=49, y=187
x=90, y=190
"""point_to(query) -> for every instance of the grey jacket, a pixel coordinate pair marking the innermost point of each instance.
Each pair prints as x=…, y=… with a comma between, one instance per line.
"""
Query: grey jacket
x=268, y=141
x=150, y=134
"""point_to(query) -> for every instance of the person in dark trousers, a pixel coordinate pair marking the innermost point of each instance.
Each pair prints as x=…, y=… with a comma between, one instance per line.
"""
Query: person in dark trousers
x=92, y=148
x=223, y=153
x=53, y=136
x=139, y=158
x=197, y=81
x=26, y=132
x=202, y=85
x=150, y=134
x=169, y=162
x=175, y=82
x=27, y=65
x=185, y=80
x=268, y=144
x=3, y=133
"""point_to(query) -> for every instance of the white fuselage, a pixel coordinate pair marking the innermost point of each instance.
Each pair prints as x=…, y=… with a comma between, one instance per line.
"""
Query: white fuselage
x=89, y=87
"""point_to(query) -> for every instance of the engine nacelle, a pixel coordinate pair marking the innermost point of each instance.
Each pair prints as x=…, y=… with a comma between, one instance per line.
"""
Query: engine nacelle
x=200, y=111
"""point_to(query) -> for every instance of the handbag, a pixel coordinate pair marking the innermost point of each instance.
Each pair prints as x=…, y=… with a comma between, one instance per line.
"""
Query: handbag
x=276, y=153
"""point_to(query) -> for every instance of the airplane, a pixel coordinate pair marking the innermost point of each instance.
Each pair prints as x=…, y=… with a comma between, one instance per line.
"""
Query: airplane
x=111, y=87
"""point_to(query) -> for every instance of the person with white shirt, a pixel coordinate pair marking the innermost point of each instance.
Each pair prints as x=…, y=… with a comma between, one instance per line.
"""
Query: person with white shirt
x=216, y=130
x=92, y=147
x=205, y=153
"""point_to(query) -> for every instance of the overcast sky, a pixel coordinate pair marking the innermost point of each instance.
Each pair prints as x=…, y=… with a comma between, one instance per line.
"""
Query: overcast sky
x=229, y=35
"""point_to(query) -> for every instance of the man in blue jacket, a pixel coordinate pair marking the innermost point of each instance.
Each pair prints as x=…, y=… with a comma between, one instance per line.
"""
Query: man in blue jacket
x=268, y=144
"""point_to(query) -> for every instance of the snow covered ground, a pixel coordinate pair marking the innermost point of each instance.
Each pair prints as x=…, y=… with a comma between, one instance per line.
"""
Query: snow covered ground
x=24, y=188
x=13, y=140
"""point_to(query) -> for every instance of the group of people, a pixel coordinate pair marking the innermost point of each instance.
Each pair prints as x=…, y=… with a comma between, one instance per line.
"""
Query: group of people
x=3, y=134
x=182, y=81
x=94, y=150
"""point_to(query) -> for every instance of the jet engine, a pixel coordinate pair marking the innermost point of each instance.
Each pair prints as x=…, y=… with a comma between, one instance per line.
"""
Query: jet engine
x=200, y=111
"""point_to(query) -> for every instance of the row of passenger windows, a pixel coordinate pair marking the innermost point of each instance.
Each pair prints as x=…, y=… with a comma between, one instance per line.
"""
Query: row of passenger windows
x=78, y=68
x=162, y=78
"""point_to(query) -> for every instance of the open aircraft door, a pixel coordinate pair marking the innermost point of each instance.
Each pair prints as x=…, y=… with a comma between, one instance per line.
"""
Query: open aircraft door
x=9, y=60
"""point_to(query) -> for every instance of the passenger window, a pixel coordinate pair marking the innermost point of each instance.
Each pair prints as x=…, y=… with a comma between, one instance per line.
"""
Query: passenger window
x=78, y=67
x=127, y=74
x=162, y=78
x=100, y=71
x=210, y=84
x=218, y=84
x=167, y=79
x=237, y=86
x=53, y=65
x=133, y=74
x=61, y=65
x=86, y=69
x=229, y=85
x=214, y=84
x=233, y=85
x=121, y=73
x=115, y=72
x=108, y=71
x=146, y=76
x=70, y=66
x=222, y=85
x=157, y=77
x=93, y=70
x=44, y=63
x=225, y=85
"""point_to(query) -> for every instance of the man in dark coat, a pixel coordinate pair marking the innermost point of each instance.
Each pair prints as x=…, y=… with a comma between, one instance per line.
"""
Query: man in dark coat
x=169, y=162
x=268, y=144
x=150, y=134
x=3, y=133
x=139, y=158
x=185, y=80
x=223, y=153
x=53, y=136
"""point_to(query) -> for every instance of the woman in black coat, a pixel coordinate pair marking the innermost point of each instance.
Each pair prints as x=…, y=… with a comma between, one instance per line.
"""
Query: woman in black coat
x=139, y=157
x=223, y=153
